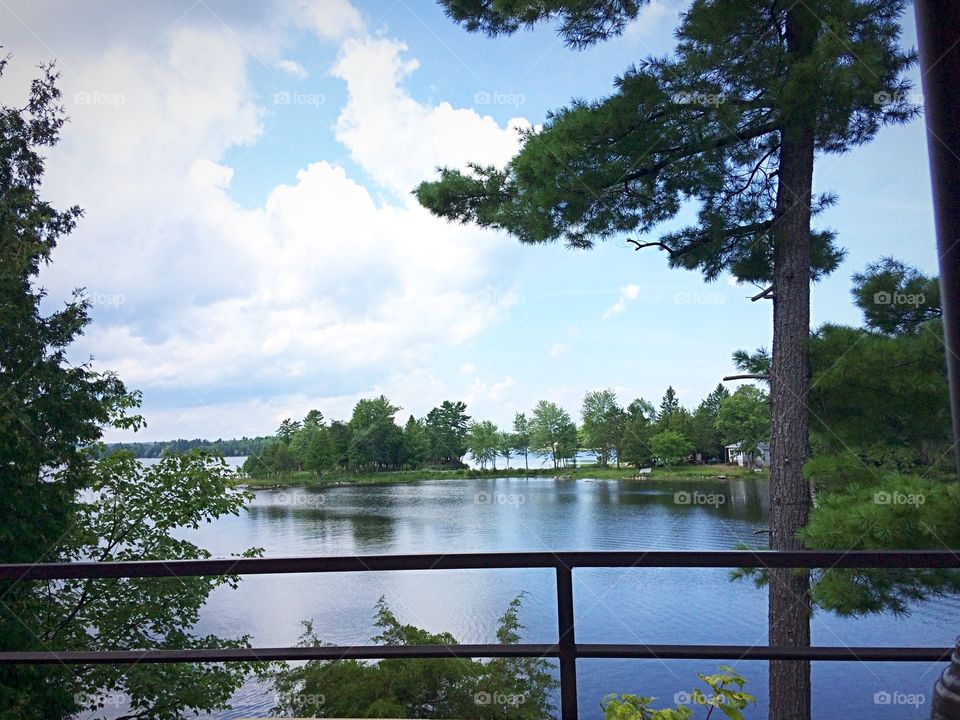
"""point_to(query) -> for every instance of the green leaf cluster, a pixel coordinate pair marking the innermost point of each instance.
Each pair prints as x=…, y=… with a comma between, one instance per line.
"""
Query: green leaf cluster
x=418, y=688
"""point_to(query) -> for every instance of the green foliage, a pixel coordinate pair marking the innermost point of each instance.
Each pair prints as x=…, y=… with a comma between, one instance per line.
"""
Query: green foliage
x=880, y=473
x=228, y=448
x=638, y=428
x=581, y=23
x=679, y=128
x=704, y=433
x=896, y=298
x=669, y=405
x=879, y=391
x=521, y=436
x=882, y=396
x=505, y=445
x=131, y=512
x=484, y=441
x=447, y=431
x=552, y=432
x=724, y=693
x=416, y=443
x=418, y=688
x=670, y=447
x=65, y=499
x=872, y=508
x=744, y=417
x=602, y=424
x=50, y=409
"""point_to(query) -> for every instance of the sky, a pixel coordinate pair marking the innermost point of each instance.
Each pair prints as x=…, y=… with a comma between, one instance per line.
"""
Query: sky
x=252, y=250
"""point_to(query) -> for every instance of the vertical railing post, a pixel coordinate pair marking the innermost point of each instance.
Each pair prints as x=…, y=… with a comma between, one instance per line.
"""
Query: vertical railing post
x=567, y=644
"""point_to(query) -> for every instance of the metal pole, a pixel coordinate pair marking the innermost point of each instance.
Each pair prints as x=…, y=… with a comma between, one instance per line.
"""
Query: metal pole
x=567, y=644
x=938, y=32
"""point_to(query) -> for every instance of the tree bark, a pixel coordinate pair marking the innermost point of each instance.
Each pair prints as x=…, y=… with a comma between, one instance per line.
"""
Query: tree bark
x=789, y=590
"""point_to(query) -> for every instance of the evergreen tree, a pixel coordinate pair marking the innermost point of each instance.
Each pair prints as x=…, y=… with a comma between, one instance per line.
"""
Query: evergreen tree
x=733, y=119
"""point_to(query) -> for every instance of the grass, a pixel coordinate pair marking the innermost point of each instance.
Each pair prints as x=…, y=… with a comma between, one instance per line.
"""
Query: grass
x=593, y=472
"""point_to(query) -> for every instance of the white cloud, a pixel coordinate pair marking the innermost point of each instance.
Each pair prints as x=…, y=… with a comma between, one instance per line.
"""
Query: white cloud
x=329, y=19
x=398, y=140
x=468, y=369
x=292, y=67
x=655, y=19
x=318, y=296
x=628, y=294
x=558, y=350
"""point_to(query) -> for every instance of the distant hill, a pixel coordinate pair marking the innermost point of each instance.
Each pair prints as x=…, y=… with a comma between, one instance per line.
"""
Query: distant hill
x=229, y=448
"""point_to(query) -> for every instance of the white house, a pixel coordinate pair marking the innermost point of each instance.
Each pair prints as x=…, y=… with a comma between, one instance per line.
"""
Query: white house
x=761, y=459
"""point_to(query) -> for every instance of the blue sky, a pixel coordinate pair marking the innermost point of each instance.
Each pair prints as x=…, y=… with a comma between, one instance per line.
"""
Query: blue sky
x=252, y=250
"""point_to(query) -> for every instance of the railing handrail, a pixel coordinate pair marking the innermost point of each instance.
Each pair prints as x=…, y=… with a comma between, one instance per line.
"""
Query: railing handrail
x=811, y=559
x=566, y=649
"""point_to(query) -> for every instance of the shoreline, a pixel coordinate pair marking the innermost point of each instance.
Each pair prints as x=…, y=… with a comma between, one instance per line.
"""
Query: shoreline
x=699, y=473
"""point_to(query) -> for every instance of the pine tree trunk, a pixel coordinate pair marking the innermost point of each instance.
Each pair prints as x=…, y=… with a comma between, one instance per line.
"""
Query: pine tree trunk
x=789, y=590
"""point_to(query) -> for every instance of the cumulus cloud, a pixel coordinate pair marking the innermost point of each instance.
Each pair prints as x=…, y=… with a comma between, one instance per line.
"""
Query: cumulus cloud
x=321, y=294
x=558, y=350
x=398, y=140
x=628, y=294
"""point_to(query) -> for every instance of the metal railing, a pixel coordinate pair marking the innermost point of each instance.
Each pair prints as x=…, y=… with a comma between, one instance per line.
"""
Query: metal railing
x=567, y=650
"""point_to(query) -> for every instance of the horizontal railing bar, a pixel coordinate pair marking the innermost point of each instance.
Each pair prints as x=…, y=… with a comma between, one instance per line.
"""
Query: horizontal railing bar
x=386, y=652
x=914, y=559
x=324, y=652
x=763, y=652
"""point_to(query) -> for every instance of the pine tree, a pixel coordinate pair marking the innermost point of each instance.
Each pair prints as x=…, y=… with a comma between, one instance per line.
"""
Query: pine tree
x=732, y=120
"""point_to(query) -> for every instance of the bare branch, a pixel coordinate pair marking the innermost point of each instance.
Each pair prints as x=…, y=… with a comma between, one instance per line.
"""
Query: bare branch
x=641, y=246
x=749, y=376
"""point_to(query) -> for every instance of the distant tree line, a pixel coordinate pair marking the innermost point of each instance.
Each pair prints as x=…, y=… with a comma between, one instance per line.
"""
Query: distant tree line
x=372, y=440
x=228, y=448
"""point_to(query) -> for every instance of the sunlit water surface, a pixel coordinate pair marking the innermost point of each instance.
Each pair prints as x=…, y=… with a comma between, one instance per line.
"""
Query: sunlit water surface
x=612, y=605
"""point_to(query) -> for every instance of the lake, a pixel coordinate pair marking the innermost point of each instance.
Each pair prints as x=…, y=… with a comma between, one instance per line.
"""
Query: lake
x=612, y=605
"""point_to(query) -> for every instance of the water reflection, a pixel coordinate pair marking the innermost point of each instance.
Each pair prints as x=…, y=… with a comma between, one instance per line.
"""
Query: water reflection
x=648, y=605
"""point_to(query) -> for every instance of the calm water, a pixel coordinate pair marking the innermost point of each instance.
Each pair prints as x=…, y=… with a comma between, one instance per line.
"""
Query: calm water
x=612, y=605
